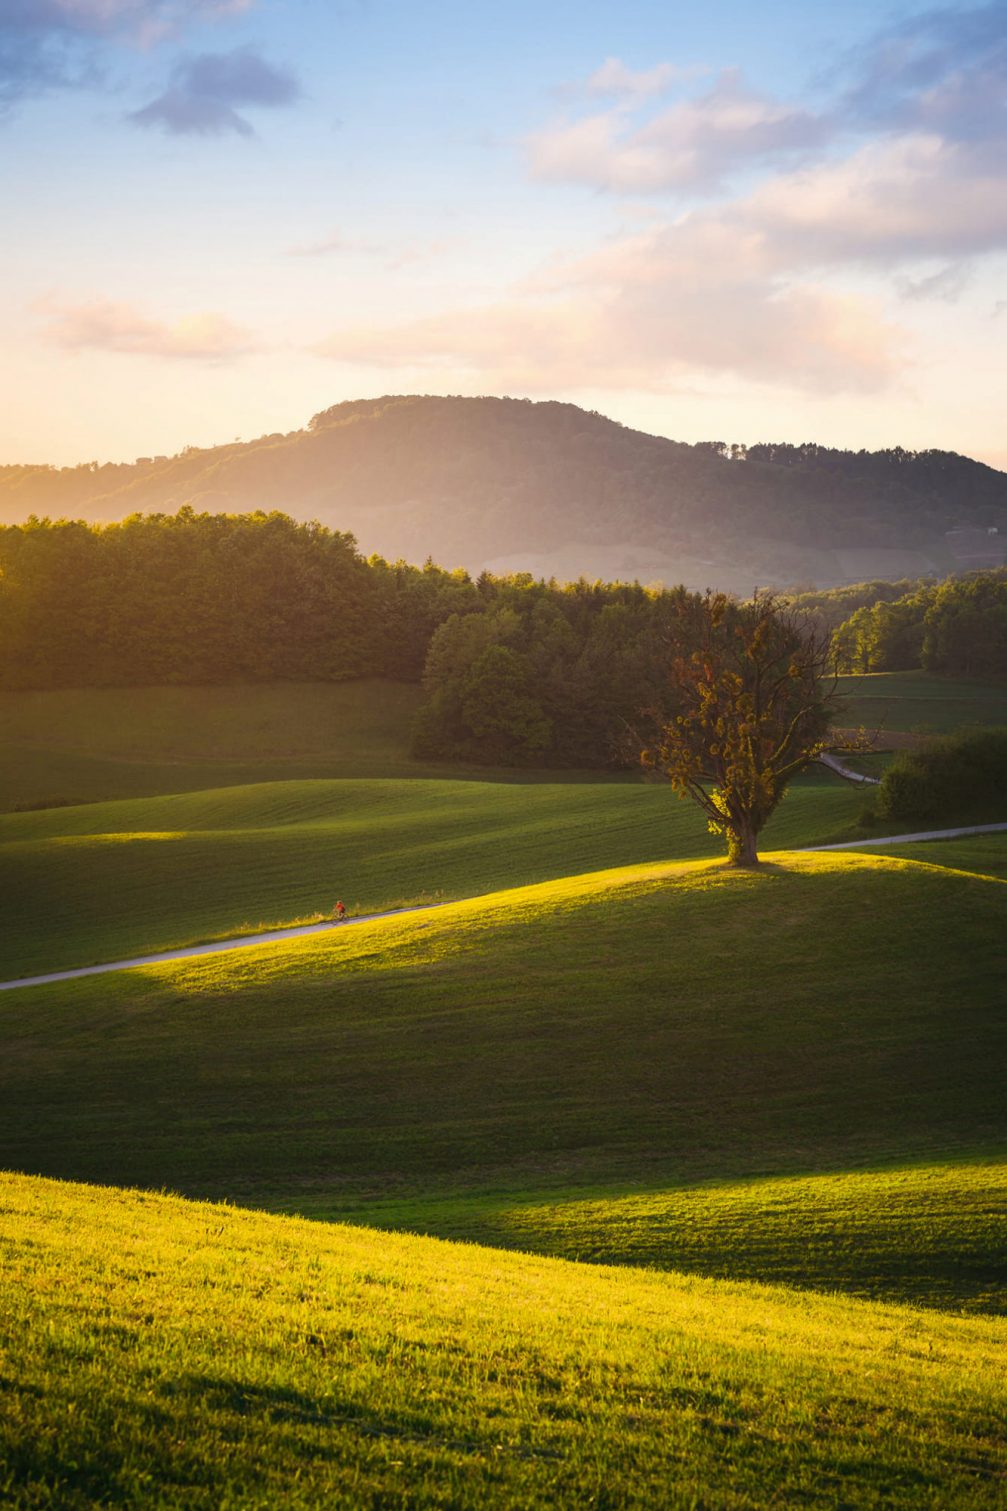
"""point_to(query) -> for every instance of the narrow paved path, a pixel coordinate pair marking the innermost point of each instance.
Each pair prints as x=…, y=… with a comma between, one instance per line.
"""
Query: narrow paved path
x=846, y=772
x=301, y=931
x=218, y=946
x=913, y=839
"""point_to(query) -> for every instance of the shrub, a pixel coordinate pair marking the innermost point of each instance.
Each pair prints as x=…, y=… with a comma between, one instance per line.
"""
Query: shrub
x=950, y=775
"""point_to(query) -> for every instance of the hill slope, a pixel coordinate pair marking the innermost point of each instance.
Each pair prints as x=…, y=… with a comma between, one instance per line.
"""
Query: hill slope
x=201, y=1356
x=161, y=1353
x=932, y=1233
x=554, y=489
x=105, y=881
x=658, y=1024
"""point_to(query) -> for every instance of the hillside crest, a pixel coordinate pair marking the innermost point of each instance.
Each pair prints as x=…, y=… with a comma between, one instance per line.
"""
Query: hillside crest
x=511, y=485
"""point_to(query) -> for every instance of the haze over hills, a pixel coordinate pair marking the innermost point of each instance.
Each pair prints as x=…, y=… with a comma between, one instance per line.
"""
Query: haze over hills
x=511, y=485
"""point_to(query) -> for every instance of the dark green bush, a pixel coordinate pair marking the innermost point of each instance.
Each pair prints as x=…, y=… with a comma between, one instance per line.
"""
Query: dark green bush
x=949, y=776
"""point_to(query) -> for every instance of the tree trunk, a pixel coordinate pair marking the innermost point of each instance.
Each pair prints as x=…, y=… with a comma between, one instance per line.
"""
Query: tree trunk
x=741, y=839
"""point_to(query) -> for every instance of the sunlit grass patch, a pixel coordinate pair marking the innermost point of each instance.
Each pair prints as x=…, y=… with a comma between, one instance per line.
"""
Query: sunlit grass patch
x=932, y=1233
x=163, y=1352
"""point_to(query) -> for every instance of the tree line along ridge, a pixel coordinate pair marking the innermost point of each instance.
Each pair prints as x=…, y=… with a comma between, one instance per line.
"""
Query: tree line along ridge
x=515, y=671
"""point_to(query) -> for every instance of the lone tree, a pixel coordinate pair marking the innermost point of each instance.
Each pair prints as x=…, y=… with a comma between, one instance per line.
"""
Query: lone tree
x=753, y=711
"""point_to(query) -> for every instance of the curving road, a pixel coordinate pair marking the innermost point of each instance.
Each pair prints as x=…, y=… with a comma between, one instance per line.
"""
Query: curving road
x=300, y=931
x=218, y=946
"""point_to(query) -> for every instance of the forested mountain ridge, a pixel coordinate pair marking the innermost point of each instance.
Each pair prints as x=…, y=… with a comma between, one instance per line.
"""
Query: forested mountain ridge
x=551, y=488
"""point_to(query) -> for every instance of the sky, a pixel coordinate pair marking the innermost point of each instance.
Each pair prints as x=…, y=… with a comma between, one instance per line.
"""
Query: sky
x=782, y=222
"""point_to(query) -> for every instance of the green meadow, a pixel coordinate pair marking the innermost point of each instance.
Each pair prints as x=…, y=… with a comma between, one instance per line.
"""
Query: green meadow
x=95, y=744
x=164, y=1353
x=91, y=744
x=931, y=1233
x=678, y=1022
x=921, y=701
x=667, y=1184
x=107, y=881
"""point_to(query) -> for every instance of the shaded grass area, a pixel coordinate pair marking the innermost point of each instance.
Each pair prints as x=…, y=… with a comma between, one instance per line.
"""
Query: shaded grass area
x=654, y=1025
x=96, y=744
x=78, y=745
x=92, y=743
x=986, y=854
x=933, y=1234
x=159, y=1352
x=920, y=701
x=112, y=880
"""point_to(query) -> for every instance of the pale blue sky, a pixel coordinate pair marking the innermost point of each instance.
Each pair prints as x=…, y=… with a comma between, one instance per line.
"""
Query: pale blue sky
x=721, y=221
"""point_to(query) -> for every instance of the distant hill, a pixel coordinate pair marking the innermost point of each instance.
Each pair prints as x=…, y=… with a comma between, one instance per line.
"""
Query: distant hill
x=511, y=485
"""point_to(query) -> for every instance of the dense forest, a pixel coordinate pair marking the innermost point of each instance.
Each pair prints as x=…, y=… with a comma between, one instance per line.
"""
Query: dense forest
x=516, y=671
x=958, y=626
x=507, y=484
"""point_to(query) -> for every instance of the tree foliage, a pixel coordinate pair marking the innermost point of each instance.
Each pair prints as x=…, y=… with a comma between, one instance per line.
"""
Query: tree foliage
x=752, y=713
x=206, y=598
x=958, y=627
x=573, y=666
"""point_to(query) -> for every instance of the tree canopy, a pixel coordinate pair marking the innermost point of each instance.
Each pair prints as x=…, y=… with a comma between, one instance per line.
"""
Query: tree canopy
x=753, y=711
x=957, y=627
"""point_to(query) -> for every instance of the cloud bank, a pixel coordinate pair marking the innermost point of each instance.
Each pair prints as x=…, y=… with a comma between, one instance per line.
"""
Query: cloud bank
x=771, y=220
x=693, y=144
x=104, y=325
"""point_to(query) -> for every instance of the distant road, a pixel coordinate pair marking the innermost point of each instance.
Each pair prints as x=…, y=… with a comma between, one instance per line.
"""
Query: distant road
x=841, y=769
x=912, y=839
x=218, y=946
x=301, y=931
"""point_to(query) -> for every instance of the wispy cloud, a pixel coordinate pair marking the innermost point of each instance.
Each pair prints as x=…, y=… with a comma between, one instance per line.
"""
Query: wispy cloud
x=104, y=325
x=942, y=71
x=205, y=91
x=141, y=19
x=614, y=78
x=642, y=317
x=335, y=242
x=393, y=255
x=694, y=144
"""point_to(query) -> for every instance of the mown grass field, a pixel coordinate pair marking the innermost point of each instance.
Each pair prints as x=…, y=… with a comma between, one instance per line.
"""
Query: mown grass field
x=986, y=854
x=165, y=1353
x=107, y=881
x=781, y=1093
x=920, y=701
x=656, y=1025
x=934, y=1234
x=99, y=744
x=87, y=744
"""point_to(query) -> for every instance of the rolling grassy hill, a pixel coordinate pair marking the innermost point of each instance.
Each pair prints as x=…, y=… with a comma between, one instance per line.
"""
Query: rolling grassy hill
x=283, y=796
x=934, y=1234
x=198, y=1355
x=87, y=744
x=983, y=853
x=793, y=1077
x=109, y=880
x=657, y=1025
